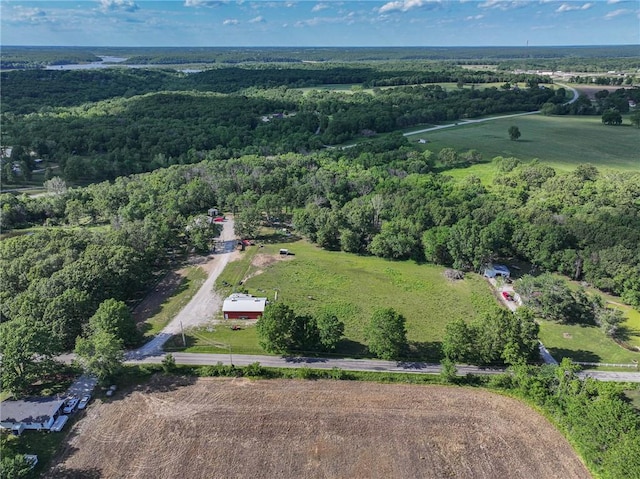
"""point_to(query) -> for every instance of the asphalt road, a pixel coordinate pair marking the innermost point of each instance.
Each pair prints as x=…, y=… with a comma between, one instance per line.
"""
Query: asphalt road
x=482, y=120
x=347, y=364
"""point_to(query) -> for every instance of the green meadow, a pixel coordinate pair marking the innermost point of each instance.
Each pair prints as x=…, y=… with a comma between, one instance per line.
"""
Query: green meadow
x=583, y=343
x=352, y=287
x=563, y=142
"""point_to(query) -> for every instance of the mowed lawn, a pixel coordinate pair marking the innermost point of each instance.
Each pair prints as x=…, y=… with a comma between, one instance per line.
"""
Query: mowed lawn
x=352, y=287
x=583, y=343
x=562, y=142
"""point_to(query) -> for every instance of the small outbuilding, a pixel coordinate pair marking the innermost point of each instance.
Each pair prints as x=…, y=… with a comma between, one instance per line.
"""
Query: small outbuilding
x=243, y=306
x=497, y=270
x=33, y=413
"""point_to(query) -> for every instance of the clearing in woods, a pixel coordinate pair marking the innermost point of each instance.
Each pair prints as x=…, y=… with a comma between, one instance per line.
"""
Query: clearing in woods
x=215, y=427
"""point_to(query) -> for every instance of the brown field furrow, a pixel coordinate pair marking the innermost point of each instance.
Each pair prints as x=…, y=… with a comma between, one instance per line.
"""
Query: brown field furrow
x=222, y=428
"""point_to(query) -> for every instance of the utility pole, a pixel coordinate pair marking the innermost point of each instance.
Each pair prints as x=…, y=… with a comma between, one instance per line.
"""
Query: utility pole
x=184, y=341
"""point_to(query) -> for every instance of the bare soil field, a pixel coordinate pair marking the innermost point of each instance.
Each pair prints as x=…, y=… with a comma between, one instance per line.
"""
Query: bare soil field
x=237, y=428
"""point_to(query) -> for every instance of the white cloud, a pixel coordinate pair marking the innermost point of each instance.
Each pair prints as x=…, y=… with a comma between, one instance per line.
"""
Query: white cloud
x=611, y=2
x=111, y=5
x=32, y=16
x=502, y=5
x=258, y=19
x=616, y=13
x=319, y=6
x=202, y=3
x=231, y=21
x=566, y=7
x=404, y=5
x=312, y=22
x=474, y=17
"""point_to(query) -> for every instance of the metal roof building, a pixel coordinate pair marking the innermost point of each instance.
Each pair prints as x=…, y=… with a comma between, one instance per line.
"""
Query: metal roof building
x=243, y=306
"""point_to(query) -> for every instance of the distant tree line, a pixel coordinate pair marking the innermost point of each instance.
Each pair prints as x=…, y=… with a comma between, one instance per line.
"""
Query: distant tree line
x=568, y=58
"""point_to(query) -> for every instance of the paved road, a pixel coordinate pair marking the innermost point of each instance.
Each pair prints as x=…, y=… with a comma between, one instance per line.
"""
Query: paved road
x=204, y=304
x=347, y=364
x=481, y=120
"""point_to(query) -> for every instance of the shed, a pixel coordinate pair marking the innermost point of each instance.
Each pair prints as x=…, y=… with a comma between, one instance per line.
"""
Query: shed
x=497, y=270
x=31, y=413
x=243, y=306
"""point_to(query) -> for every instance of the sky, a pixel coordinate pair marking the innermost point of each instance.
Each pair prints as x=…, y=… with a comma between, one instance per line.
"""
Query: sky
x=290, y=23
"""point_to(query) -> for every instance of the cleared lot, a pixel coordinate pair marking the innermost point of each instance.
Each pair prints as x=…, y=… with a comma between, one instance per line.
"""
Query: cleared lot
x=223, y=428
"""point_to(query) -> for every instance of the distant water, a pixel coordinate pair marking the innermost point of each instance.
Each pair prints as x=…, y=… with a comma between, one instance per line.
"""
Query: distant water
x=108, y=62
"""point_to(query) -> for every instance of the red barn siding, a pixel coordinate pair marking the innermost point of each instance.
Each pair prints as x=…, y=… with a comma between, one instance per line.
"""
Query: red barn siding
x=242, y=315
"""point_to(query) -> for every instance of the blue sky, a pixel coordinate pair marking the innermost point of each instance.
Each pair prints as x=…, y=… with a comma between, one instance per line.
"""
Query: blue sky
x=319, y=23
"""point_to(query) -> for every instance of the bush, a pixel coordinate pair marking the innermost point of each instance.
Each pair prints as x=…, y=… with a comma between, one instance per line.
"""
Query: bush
x=168, y=363
x=254, y=370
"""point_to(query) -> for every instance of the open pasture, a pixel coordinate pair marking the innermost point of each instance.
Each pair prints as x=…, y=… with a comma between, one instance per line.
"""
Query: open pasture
x=204, y=428
x=562, y=142
x=352, y=287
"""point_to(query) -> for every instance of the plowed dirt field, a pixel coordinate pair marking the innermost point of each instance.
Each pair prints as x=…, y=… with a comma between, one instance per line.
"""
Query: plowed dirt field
x=224, y=428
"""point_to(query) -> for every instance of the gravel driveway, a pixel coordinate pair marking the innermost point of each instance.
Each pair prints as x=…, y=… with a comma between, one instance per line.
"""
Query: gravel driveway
x=204, y=304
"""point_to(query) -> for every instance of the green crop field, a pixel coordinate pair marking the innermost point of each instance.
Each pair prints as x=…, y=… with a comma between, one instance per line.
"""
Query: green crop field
x=560, y=141
x=352, y=287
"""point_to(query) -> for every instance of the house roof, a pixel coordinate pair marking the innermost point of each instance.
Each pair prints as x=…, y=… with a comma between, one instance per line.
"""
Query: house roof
x=29, y=410
x=244, y=303
x=500, y=268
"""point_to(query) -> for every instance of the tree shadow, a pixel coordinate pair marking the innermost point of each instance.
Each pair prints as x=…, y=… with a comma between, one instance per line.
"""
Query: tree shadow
x=624, y=333
x=153, y=303
x=425, y=351
x=350, y=348
x=64, y=473
x=166, y=383
x=574, y=354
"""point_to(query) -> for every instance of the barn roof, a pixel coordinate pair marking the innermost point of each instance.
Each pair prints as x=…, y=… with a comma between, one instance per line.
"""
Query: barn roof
x=244, y=303
x=29, y=410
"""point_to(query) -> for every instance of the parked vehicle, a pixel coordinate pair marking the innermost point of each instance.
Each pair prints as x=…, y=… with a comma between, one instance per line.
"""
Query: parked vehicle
x=84, y=400
x=112, y=389
x=70, y=405
x=32, y=460
x=507, y=295
x=59, y=423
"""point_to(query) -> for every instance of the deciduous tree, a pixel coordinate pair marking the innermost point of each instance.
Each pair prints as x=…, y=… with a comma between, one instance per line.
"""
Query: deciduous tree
x=100, y=354
x=514, y=133
x=386, y=334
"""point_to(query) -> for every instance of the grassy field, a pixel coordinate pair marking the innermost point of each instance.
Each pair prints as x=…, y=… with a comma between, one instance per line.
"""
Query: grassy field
x=351, y=287
x=583, y=343
x=560, y=141
x=189, y=286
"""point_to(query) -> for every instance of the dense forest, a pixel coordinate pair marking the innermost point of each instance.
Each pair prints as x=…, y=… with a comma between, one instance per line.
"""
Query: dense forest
x=567, y=58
